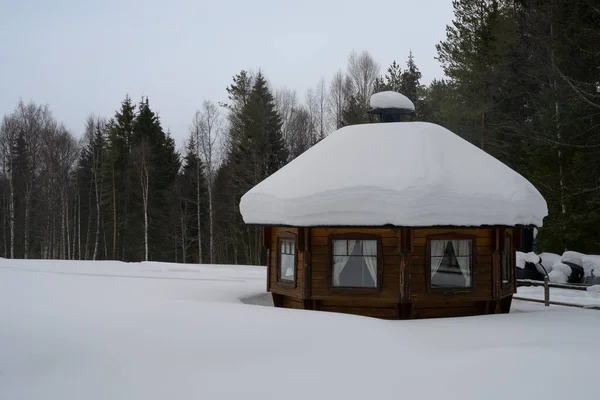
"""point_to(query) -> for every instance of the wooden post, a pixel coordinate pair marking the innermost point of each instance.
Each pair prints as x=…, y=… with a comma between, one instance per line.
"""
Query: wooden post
x=546, y=291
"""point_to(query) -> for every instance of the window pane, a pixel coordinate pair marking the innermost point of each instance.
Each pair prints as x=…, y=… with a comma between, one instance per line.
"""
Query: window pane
x=450, y=263
x=438, y=247
x=506, y=259
x=340, y=247
x=356, y=272
x=287, y=267
x=369, y=248
x=286, y=259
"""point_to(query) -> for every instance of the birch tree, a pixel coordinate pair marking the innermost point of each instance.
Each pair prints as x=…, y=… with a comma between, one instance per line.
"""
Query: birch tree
x=141, y=160
x=363, y=71
x=8, y=137
x=208, y=142
x=340, y=90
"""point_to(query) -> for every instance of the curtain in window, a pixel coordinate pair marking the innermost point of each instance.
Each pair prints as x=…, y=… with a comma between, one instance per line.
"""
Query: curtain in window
x=370, y=257
x=287, y=259
x=463, y=256
x=341, y=257
x=438, y=247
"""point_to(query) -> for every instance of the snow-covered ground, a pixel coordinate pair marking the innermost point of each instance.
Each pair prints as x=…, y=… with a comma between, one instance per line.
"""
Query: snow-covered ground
x=106, y=330
x=591, y=297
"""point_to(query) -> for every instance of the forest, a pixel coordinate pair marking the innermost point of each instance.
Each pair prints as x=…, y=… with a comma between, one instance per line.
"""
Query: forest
x=521, y=81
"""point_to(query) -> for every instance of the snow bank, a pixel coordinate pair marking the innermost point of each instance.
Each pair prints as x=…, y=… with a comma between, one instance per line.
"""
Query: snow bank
x=404, y=174
x=390, y=99
x=523, y=258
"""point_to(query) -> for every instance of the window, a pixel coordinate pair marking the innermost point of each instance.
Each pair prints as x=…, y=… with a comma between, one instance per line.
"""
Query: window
x=506, y=260
x=355, y=263
x=287, y=260
x=450, y=263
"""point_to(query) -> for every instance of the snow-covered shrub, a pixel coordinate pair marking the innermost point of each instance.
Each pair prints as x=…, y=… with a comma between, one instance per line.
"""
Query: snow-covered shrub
x=548, y=261
x=591, y=268
x=560, y=273
x=573, y=257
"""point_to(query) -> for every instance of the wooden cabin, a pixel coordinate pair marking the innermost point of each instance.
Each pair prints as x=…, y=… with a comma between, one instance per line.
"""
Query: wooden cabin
x=394, y=220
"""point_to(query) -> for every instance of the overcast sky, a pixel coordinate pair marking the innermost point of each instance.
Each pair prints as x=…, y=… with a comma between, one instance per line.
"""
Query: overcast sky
x=83, y=56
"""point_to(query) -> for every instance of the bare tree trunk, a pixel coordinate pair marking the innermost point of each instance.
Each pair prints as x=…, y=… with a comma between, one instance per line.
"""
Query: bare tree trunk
x=4, y=229
x=145, y=189
x=97, y=195
x=235, y=246
x=198, y=212
x=141, y=158
x=105, y=245
x=47, y=238
x=79, y=225
x=88, y=231
x=114, y=215
x=26, y=222
x=67, y=230
x=563, y=207
x=183, y=237
x=11, y=212
x=211, y=224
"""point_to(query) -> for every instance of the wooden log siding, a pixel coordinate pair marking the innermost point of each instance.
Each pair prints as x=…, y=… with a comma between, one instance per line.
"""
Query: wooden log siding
x=404, y=290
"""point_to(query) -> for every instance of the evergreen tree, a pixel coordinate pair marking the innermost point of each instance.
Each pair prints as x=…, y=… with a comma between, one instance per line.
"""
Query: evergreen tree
x=391, y=81
x=155, y=165
x=410, y=80
x=354, y=113
x=188, y=208
x=116, y=179
x=257, y=149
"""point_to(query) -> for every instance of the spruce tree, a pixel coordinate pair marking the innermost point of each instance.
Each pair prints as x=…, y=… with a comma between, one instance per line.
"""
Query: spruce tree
x=410, y=80
x=116, y=179
x=256, y=150
x=155, y=165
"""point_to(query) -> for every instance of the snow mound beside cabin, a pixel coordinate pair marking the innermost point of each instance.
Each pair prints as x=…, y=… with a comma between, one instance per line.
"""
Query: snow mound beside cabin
x=404, y=174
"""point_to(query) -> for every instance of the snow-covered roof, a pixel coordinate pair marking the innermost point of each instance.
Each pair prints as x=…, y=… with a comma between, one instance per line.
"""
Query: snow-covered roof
x=404, y=174
x=389, y=99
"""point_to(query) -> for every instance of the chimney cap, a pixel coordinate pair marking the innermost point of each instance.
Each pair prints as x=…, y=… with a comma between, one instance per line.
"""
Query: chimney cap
x=390, y=100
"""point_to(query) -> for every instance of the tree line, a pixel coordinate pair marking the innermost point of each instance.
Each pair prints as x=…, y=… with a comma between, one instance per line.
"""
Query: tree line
x=522, y=82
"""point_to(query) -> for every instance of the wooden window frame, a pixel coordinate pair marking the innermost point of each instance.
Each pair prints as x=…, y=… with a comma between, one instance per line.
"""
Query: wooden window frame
x=348, y=289
x=450, y=236
x=284, y=283
x=507, y=237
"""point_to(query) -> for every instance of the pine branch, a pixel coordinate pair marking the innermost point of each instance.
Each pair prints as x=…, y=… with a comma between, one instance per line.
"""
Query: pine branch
x=580, y=94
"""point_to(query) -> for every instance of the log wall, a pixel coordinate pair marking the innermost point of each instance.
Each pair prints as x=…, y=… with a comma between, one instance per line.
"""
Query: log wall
x=404, y=291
